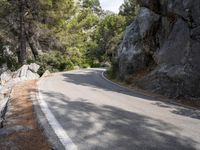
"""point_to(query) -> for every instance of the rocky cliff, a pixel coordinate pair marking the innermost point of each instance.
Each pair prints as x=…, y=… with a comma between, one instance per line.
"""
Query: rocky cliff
x=164, y=42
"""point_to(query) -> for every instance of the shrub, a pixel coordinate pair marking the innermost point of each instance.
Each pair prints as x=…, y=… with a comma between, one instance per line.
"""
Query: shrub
x=54, y=61
x=112, y=72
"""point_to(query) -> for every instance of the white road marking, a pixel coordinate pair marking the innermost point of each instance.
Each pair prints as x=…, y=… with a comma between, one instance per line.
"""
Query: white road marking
x=58, y=129
x=105, y=78
x=172, y=101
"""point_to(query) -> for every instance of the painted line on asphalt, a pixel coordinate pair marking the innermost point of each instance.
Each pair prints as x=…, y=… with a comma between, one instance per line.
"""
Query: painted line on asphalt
x=56, y=126
x=116, y=84
x=158, y=99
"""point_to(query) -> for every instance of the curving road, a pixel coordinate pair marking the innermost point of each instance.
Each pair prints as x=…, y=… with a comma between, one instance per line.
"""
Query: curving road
x=88, y=112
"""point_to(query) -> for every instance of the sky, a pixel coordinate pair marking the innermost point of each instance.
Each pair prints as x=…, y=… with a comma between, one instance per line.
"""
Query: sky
x=112, y=5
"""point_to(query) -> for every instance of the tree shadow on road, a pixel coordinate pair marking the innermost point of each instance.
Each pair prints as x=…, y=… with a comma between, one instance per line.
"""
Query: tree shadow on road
x=105, y=127
x=93, y=79
x=195, y=114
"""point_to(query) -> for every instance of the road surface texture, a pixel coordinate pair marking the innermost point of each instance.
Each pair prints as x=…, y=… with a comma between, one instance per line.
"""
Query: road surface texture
x=98, y=115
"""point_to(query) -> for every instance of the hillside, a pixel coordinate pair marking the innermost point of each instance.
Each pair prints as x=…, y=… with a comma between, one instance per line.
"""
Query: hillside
x=100, y=74
x=161, y=49
x=153, y=45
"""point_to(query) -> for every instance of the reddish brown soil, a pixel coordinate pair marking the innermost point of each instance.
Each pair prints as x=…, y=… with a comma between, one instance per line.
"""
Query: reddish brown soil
x=21, y=113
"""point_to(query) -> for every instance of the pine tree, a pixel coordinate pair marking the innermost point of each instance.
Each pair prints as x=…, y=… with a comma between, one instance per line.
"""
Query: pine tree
x=129, y=9
x=28, y=20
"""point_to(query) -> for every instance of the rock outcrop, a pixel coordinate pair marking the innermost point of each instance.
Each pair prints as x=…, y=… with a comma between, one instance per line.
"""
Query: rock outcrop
x=27, y=72
x=9, y=79
x=164, y=40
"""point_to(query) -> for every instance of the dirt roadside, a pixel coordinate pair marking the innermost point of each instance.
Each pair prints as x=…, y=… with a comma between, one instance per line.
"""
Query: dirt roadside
x=193, y=104
x=21, y=130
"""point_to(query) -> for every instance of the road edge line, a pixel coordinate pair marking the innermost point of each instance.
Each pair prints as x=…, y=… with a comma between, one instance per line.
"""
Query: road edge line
x=158, y=99
x=58, y=130
x=105, y=78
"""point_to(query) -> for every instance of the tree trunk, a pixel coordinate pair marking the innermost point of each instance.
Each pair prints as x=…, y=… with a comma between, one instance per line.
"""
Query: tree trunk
x=32, y=45
x=22, y=37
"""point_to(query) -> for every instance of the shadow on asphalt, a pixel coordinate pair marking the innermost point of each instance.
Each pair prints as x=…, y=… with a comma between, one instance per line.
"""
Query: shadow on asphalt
x=195, y=114
x=104, y=127
x=90, y=79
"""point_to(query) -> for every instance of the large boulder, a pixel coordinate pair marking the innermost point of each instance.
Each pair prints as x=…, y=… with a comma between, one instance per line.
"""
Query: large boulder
x=31, y=75
x=21, y=73
x=172, y=81
x=164, y=40
x=27, y=72
x=176, y=45
x=146, y=19
x=134, y=53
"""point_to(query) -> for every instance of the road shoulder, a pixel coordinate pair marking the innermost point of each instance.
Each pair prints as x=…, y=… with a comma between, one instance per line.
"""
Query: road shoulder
x=187, y=103
x=21, y=130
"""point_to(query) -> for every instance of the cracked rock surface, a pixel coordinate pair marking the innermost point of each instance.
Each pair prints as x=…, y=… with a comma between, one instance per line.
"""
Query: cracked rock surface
x=164, y=40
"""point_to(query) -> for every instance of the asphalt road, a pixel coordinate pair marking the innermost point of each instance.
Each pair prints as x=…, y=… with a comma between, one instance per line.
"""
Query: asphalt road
x=98, y=115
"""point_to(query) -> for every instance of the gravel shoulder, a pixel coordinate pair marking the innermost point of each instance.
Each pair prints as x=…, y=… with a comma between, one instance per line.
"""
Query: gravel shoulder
x=20, y=130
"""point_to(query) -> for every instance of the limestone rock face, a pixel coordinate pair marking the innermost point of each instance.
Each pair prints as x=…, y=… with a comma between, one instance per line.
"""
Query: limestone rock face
x=34, y=67
x=28, y=72
x=134, y=52
x=165, y=39
x=176, y=46
x=31, y=75
x=22, y=72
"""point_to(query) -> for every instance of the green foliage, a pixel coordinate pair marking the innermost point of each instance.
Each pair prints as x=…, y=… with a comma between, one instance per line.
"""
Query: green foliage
x=112, y=72
x=78, y=34
x=68, y=35
x=91, y=3
x=5, y=7
x=107, y=36
x=129, y=9
x=43, y=20
x=54, y=61
x=10, y=61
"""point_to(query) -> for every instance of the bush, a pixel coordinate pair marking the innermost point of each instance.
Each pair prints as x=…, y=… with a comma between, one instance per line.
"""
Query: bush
x=112, y=72
x=54, y=62
x=85, y=65
x=9, y=60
